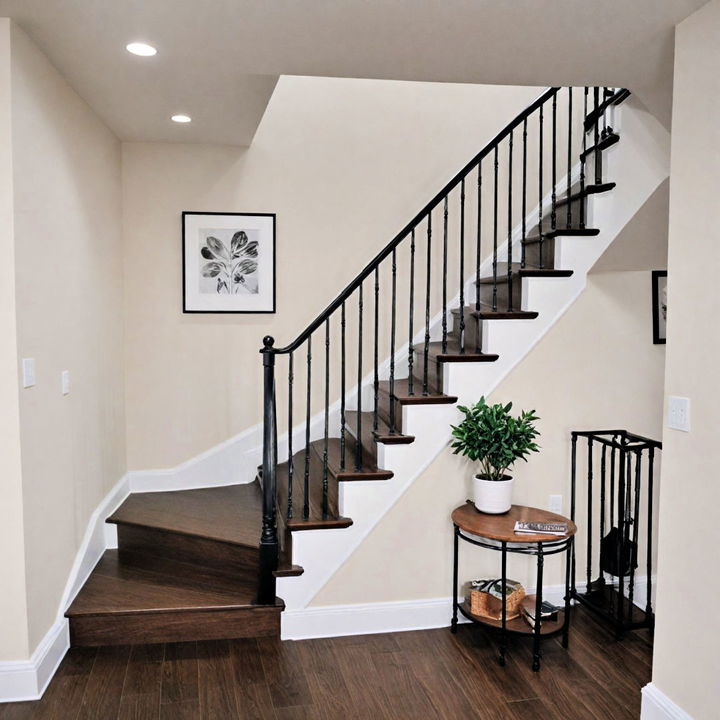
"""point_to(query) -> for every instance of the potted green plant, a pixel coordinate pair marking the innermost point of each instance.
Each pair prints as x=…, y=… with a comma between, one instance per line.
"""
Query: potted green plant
x=490, y=435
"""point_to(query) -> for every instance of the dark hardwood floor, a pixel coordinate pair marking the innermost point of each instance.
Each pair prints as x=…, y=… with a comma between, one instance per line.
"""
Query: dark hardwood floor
x=423, y=674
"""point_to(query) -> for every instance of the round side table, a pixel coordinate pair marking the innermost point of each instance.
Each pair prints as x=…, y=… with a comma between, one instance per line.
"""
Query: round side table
x=497, y=532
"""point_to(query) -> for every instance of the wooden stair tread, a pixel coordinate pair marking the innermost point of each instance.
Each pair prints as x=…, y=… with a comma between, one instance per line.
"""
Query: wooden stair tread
x=402, y=395
x=368, y=469
x=519, y=271
x=318, y=524
x=117, y=588
x=382, y=435
x=452, y=353
x=608, y=141
x=590, y=189
x=487, y=313
x=315, y=520
x=230, y=514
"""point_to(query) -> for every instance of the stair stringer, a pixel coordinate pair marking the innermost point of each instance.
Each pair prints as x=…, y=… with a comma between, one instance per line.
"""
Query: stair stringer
x=638, y=164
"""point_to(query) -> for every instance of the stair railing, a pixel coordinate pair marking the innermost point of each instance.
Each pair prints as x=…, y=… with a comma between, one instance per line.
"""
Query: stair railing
x=454, y=227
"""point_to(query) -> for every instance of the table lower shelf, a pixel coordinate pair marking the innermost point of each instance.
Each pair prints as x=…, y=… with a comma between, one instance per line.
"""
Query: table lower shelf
x=518, y=625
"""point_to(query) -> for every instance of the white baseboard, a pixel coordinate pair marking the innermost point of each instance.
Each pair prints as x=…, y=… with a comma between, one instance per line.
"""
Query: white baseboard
x=27, y=679
x=658, y=706
x=372, y=618
x=399, y=616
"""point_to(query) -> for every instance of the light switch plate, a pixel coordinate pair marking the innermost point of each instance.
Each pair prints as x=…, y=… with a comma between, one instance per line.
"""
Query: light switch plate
x=65, y=382
x=555, y=504
x=679, y=413
x=28, y=372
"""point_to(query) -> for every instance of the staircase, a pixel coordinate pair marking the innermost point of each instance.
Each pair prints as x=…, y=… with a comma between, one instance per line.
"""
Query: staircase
x=203, y=564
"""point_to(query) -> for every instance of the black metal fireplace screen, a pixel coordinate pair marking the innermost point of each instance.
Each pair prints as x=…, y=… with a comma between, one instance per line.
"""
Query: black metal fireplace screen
x=614, y=509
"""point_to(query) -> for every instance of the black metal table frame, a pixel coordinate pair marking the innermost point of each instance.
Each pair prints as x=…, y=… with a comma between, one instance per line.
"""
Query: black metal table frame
x=541, y=550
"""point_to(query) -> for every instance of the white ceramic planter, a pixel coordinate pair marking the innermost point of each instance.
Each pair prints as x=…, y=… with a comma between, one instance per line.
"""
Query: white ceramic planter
x=493, y=496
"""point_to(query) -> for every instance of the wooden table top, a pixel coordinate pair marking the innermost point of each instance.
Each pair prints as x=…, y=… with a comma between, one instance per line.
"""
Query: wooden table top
x=502, y=527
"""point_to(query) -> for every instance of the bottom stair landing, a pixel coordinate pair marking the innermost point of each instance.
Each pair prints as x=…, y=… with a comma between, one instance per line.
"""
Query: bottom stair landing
x=185, y=569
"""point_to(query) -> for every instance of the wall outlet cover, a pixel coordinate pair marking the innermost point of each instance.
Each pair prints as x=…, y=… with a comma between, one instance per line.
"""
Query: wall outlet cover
x=679, y=413
x=28, y=372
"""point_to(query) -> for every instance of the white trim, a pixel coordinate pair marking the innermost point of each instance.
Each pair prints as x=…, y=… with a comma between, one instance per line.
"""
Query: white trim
x=381, y=617
x=397, y=616
x=231, y=462
x=658, y=706
x=27, y=679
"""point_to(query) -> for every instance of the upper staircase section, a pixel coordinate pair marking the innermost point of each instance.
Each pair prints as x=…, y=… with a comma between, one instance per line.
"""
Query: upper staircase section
x=424, y=302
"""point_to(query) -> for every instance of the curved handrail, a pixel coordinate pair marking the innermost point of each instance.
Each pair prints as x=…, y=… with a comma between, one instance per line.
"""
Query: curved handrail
x=429, y=207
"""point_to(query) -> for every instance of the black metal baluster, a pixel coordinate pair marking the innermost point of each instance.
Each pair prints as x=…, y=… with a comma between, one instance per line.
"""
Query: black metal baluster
x=649, y=549
x=426, y=349
x=306, y=477
x=573, y=496
x=444, y=275
x=589, y=509
x=541, y=139
x=613, y=461
x=553, y=179
x=376, y=379
x=619, y=610
x=596, y=138
x=342, y=386
x=268, y=550
x=478, y=248
x=509, y=231
x=291, y=462
x=524, y=191
x=392, y=340
x=602, y=492
x=582, y=161
x=569, y=157
x=411, y=349
x=462, y=266
x=358, y=445
x=327, y=421
x=636, y=528
x=495, y=229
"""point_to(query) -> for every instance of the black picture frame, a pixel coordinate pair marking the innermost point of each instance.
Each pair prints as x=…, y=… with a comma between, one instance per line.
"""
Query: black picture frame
x=658, y=311
x=273, y=293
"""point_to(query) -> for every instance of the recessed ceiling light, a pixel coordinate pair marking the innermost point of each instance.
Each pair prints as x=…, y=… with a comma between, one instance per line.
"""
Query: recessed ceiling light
x=181, y=118
x=143, y=49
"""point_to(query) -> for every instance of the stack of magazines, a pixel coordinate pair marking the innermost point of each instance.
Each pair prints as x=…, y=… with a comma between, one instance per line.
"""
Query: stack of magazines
x=540, y=528
x=548, y=611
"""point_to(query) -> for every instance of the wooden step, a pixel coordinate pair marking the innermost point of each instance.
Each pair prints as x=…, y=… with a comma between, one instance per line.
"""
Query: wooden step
x=382, y=435
x=315, y=519
x=529, y=271
x=608, y=141
x=127, y=604
x=402, y=396
x=367, y=470
x=487, y=313
x=452, y=353
x=217, y=527
x=576, y=194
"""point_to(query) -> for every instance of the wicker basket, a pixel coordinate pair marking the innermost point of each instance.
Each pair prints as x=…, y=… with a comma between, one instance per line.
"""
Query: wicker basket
x=484, y=604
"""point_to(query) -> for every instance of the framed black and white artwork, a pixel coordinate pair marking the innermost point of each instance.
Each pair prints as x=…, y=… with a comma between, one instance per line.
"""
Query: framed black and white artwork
x=659, y=306
x=228, y=262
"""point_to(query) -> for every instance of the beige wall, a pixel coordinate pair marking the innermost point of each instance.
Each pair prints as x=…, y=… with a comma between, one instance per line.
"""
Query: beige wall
x=687, y=663
x=345, y=164
x=13, y=609
x=66, y=176
x=597, y=367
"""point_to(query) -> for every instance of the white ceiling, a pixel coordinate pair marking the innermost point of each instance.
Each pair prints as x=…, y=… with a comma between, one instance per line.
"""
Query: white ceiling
x=218, y=60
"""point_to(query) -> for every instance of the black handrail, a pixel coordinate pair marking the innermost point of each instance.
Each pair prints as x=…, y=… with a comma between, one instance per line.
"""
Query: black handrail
x=429, y=207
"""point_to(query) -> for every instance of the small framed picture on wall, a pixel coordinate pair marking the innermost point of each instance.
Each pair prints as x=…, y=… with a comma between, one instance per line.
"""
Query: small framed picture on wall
x=659, y=306
x=228, y=262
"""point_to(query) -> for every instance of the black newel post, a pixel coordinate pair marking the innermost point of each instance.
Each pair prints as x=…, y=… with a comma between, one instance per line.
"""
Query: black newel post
x=268, y=537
